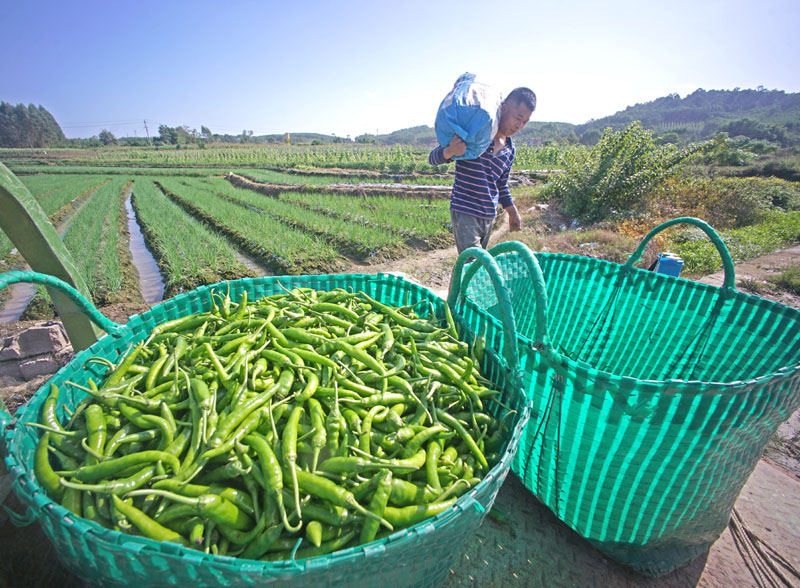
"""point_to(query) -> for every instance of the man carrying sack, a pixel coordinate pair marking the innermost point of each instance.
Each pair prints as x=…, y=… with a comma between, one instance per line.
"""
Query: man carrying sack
x=481, y=183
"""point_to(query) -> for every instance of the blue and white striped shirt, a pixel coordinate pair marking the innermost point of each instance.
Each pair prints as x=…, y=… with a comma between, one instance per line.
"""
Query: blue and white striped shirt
x=480, y=183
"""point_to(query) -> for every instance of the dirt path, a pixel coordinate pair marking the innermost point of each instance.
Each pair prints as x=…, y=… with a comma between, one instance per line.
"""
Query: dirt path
x=431, y=269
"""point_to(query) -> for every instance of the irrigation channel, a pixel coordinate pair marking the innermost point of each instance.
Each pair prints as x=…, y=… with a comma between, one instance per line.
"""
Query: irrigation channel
x=22, y=293
x=150, y=279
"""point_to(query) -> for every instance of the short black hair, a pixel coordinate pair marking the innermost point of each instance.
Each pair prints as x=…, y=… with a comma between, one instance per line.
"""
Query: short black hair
x=523, y=96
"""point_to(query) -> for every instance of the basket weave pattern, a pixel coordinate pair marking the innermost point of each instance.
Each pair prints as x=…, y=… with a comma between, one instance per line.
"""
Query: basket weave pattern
x=655, y=406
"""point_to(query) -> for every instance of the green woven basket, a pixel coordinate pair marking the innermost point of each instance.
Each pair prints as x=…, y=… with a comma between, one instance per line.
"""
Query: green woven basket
x=652, y=397
x=418, y=556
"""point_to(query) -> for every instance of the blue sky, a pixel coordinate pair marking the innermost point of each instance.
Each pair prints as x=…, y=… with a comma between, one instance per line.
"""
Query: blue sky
x=352, y=66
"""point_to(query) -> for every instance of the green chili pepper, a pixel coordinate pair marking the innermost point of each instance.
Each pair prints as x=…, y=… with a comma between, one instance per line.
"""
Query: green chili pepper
x=43, y=471
x=377, y=506
x=211, y=506
x=147, y=526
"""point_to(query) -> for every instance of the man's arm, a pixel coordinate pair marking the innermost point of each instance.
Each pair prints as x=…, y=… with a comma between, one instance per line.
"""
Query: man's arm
x=507, y=202
x=442, y=155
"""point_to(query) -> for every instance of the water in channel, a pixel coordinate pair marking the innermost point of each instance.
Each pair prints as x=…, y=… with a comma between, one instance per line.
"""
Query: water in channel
x=150, y=279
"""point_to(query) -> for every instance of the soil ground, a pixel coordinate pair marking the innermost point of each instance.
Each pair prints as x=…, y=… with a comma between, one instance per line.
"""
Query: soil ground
x=522, y=543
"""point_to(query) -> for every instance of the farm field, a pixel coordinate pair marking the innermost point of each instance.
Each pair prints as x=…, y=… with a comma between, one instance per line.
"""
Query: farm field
x=199, y=228
x=226, y=211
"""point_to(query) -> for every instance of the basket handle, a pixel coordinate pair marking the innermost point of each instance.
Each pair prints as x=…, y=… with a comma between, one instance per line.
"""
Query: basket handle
x=84, y=305
x=727, y=262
x=483, y=259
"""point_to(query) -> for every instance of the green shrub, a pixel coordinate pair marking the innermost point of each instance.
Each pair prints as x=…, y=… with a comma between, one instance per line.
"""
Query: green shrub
x=727, y=202
x=613, y=178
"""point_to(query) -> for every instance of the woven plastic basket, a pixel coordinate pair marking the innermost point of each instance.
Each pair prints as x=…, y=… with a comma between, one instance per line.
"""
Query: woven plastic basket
x=652, y=397
x=419, y=556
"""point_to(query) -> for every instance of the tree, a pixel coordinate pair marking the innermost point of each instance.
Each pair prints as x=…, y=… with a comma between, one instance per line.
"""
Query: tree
x=206, y=133
x=590, y=137
x=168, y=135
x=107, y=138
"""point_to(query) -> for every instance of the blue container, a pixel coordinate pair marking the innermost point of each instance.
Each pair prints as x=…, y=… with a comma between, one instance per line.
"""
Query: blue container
x=669, y=264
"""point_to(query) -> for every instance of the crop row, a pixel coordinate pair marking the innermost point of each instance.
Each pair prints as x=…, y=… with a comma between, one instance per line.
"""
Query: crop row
x=188, y=253
x=408, y=217
x=382, y=158
x=349, y=237
x=53, y=193
x=320, y=179
x=92, y=237
x=285, y=249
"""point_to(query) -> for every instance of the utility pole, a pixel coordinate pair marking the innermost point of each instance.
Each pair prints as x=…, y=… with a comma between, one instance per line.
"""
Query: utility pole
x=147, y=131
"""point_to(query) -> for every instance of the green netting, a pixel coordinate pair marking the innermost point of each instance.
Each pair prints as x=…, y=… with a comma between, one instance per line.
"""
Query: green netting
x=419, y=556
x=651, y=401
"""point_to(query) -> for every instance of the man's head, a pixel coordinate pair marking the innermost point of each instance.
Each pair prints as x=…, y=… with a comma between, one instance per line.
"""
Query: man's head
x=516, y=111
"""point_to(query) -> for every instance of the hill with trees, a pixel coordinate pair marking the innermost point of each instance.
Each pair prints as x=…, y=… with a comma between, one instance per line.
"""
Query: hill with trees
x=760, y=114
x=28, y=126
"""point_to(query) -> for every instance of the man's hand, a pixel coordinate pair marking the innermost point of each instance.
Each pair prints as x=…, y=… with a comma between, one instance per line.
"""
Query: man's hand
x=514, y=219
x=456, y=147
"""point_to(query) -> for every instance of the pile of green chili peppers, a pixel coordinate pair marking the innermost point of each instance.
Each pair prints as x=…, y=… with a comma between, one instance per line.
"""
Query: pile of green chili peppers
x=284, y=428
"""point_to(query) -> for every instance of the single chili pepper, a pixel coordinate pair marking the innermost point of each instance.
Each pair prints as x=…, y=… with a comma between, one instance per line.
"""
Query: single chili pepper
x=148, y=421
x=147, y=526
x=453, y=423
x=289, y=451
x=312, y=382
x=377, y=506
x=117, y=375
x=49, y=417
x=128, y=434
x=211, y=506
x=273, y=475
x=71, y=500
x=215, y=361
x=313, y=532
x=116, y=486
x=451, y=325
x=327, y=490
x=457, y=488
x=366, y=429
x=105, y=469
x=237, y=497
x=44, y=472
x=332, y=424
x=405, y=493
x=258, y=547
x=67, y=462
x=155, y=369
x=329, y=307
x=411, y=515
x=431, y=463
x=330, y=515
x=320, y=437
x=417, y=325
x=421, y=438
x=382, y=398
